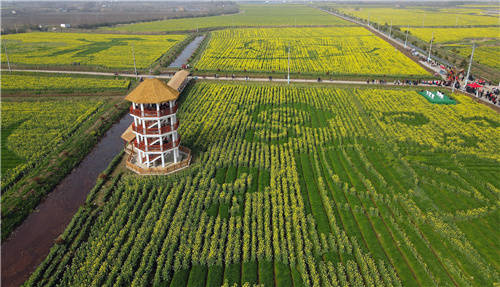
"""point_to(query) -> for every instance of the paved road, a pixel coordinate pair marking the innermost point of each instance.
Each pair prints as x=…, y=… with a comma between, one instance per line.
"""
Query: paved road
x=281, y=80
x=167, y=76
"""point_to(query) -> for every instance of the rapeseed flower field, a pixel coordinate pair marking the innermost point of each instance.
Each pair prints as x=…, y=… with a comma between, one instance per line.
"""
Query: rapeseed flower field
x=301, y=186
x=459, y=40
x=41, y=82
x=453, y=35
x=86, y=49
x=320, y=51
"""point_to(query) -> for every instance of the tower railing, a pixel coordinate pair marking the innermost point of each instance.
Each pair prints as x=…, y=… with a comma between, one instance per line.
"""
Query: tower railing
x=158, y=147
x=153, y=112
x=155, y=130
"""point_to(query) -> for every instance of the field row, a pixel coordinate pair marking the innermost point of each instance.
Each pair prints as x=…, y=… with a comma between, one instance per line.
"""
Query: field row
x=300, y=186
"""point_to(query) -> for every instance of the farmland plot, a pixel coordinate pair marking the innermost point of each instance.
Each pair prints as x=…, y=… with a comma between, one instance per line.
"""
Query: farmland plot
x=315, y=51
x=85, y=49
x=40, y=83
x=30, y=126
x=454, y=35
x=486, y=55
x=459, y=41
x=301, y=186
x=422, y=16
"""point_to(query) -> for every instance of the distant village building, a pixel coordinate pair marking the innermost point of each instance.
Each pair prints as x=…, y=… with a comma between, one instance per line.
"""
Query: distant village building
x=152, y=141
x=65, y=26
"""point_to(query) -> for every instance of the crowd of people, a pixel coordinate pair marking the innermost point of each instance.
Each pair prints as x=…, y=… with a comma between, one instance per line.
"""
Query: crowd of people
x=440, y=83
x=490, y=95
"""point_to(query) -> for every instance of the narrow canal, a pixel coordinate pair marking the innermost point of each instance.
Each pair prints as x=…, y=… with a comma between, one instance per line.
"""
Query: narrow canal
x=186, y=53
x=30, y=243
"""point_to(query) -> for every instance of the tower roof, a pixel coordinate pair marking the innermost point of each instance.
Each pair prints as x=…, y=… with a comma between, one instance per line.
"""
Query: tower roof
x=151, y=91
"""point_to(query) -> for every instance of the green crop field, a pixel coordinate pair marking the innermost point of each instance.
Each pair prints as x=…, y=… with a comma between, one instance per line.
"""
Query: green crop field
x=421, y=16
x=49, y=83
x=351, y=51
x=250, y=15
x=86, y=49
x=300, y=186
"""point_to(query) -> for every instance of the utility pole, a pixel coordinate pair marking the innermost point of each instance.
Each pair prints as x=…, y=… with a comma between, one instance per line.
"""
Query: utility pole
x=406, y=38
x=454, y=83
x=368, y=20
x=133, y=55
x=7, y=56
x=430, y=48
x=423, y=21
x=390, y=30
x=470, y=64
x=289, y=63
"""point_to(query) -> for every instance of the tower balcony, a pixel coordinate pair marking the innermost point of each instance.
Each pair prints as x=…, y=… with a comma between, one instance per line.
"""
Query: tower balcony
x=155, y=130
x=158, y=147
x=153, y=112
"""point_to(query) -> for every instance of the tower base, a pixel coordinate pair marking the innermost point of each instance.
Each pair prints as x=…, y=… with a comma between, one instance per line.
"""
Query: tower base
x=134, y=165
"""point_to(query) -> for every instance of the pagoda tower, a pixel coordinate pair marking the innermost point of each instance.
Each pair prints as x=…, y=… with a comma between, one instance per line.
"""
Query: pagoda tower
x=152, y=139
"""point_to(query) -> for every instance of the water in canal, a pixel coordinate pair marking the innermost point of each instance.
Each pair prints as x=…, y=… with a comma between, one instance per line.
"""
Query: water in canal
x=186, y=53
